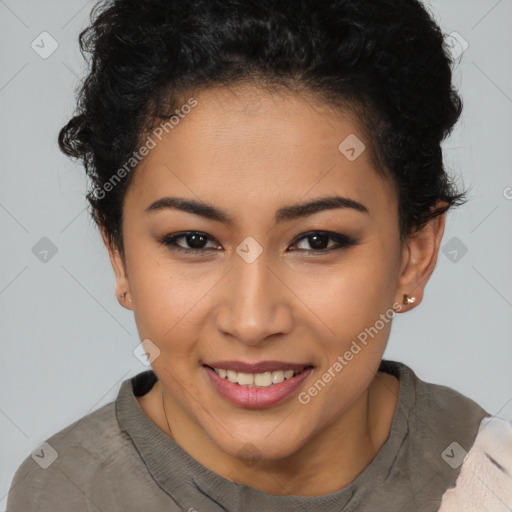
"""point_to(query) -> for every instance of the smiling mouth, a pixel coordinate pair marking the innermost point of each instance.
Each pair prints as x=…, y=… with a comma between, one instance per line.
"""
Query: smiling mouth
x=258, y=380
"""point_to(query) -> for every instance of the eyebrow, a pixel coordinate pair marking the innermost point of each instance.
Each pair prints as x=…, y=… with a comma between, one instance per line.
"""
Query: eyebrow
x=286, y=213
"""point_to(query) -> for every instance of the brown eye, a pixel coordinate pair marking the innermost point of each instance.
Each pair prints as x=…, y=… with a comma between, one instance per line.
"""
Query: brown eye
x=192, y=241
x=319, y=241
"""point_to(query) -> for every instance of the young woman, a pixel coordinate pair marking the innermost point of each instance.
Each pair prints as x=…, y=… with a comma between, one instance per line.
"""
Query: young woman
x=268, y=180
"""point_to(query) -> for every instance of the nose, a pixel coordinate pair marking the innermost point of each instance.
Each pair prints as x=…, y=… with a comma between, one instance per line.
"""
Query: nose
x=255, y=302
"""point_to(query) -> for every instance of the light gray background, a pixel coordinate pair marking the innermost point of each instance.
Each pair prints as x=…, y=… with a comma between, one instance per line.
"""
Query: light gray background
x=68, y=344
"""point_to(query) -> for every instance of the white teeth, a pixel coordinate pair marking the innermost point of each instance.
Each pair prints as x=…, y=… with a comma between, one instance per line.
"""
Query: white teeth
x=246, y=379
x=277, y=376
x=261, y=380
x=232, y=376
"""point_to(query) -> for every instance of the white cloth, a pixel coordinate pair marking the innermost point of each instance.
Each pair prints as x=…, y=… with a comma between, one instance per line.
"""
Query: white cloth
x=485, y=479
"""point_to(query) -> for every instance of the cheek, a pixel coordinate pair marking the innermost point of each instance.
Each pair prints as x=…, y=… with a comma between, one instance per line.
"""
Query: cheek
x=171, y=310
x=163, y=293
x=166, y=309
x=346, y=298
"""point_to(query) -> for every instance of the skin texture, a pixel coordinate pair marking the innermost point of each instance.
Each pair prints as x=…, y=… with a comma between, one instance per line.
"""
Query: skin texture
x=249, y=152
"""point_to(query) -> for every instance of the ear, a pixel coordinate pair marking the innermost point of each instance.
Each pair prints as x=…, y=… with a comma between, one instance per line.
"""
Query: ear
x=419, y=258
x=122, y=282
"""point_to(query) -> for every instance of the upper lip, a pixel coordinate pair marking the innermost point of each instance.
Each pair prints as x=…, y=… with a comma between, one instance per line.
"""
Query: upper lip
x=260, y=367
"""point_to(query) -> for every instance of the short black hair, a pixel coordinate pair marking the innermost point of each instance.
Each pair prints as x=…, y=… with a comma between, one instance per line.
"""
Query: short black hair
x=386, y=61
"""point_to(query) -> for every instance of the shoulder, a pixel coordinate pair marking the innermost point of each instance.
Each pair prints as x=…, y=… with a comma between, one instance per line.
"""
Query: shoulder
x=445, y=416
x=448, y=399
x=485, y=479
x=63, y=467
x=442, y=407
x=435, y=405
x=441, y=425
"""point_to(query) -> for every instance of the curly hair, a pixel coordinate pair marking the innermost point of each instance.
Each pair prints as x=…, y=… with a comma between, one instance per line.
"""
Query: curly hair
x=385, y=61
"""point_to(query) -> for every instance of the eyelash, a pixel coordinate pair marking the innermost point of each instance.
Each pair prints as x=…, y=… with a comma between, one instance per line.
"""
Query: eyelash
x=343, y=241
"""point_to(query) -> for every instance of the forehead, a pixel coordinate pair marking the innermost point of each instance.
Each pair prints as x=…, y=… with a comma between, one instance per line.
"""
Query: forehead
x=245, y=146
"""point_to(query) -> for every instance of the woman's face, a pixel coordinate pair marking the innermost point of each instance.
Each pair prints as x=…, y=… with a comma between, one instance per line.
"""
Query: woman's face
x=257, y=294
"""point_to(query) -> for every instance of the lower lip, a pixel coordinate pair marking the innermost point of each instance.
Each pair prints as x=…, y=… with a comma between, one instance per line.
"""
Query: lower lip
x=254, y=397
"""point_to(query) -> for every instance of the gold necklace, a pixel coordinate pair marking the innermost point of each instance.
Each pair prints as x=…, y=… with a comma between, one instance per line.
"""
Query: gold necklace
x=165, y=414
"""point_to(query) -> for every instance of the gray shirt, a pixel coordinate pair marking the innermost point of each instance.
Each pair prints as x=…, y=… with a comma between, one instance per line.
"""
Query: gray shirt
x=117, y=459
